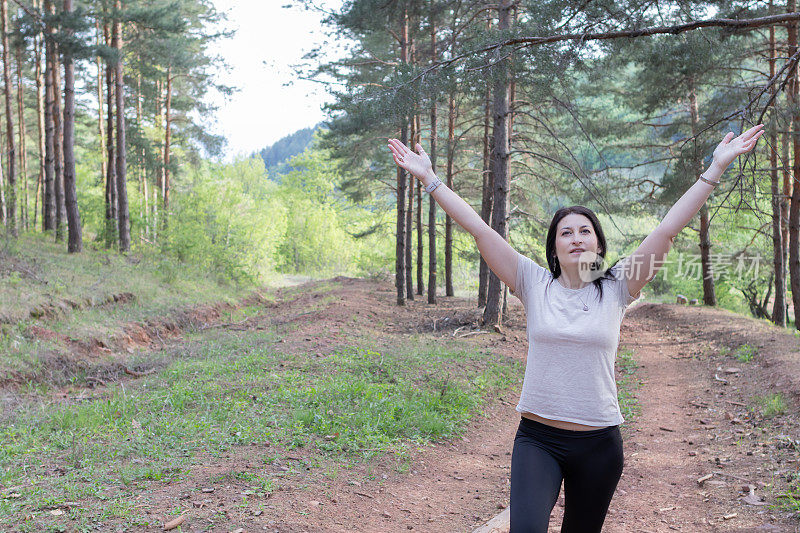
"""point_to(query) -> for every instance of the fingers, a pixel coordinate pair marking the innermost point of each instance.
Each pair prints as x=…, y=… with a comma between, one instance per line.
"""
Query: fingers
x=420, y=149
x=397, y=161
x=749, y=133
x=402, y=149
x=752, y=142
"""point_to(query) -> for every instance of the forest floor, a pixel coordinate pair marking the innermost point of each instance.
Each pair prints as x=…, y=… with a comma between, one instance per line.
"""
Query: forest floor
x=711, y=408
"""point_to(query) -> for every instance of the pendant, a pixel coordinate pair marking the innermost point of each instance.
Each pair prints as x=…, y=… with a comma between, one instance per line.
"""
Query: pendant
x=585, y=308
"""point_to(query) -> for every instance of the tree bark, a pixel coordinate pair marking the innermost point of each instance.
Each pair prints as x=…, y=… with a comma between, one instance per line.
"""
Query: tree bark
x=486, y=189
x=100, y=111
x=49, y=219
x=420, y=247
x=11, y=155
x=512, y=95
x=410, y=222
x=432, y=263
x=23, y=153
x=122, y=192
x=75, y=241
x=709, y=294
x=499, y=163
x=787, y=194
x=779, y=305
x=111, y=153
x=61, y=206
x=794, y=204
x=400, y=236
x=37, y=54
x=448, y=222
x=144, y=209
x=167, y=148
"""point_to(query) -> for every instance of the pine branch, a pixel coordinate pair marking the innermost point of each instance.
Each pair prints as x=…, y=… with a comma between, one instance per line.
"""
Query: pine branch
x=523, y=42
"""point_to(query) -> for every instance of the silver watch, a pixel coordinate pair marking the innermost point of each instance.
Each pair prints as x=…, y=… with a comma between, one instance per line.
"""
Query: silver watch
x=433, y=184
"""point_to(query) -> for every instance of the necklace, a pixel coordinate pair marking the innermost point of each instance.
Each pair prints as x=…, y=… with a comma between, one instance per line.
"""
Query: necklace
x=585, y=307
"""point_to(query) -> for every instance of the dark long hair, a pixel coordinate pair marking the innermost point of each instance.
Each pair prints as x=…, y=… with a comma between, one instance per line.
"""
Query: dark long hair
x=550, y=245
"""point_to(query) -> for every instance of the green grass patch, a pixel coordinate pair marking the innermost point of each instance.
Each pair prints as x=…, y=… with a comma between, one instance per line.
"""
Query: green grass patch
x=223, y=389
x=745, y=353
x=627, y=384
x=770, y=405
x=71, y=293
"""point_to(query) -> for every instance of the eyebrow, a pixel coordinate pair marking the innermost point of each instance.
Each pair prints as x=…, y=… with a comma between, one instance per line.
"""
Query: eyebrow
x=567, y=227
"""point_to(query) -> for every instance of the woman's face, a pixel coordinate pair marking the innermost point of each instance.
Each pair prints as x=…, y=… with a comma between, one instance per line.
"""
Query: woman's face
x=575, y=232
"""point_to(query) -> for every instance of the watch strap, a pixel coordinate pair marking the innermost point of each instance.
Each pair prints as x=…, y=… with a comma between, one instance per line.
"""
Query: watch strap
x=433, y=184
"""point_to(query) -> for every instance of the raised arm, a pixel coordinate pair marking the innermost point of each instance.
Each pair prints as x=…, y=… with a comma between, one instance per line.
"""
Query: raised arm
x=647, y=260
x=497, y=253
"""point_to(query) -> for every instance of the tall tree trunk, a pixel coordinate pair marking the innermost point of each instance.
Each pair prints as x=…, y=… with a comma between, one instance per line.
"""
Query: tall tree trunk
x=486, y=178
x=512, y=95
x=100, y=112
x=448, y=222
x=420, y=247
x=787, y=194
x=75, y=241
x=410, y=221
x=61, y=206
x=432, y=263
x=400, y=236
x=122, y=191
x=49, y=219
x=499, y=159
x=167, y=148
x=2, y=195
x=11, y=155
x=779, y=306
x=709, y=294
x=418, y=187
x=111, y=153
x=794, y=205
x=37, y=53
x=145, y=210
x=58, y=137
x=23, y=153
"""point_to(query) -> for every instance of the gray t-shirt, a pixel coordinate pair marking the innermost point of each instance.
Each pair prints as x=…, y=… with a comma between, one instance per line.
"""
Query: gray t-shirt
x=569, y=374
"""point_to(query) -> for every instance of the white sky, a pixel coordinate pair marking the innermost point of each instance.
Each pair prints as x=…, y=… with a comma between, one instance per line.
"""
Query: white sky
x=268, y=40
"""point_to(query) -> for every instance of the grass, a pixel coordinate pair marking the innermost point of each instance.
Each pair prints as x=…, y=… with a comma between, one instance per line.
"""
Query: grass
x=72, y=293
x=628, y=384
x=743, y=353
x=37, y=272
x=226, y=389
x=770, y=405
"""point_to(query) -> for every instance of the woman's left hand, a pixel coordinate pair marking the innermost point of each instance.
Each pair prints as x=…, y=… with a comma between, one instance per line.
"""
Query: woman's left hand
x=730, y=148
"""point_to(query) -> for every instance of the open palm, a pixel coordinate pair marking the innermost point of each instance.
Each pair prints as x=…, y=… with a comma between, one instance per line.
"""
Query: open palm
x=730, y=148
x=418, y=164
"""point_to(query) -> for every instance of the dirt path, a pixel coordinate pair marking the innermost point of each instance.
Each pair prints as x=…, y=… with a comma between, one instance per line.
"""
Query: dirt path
x=671, y=444
x=690, y=425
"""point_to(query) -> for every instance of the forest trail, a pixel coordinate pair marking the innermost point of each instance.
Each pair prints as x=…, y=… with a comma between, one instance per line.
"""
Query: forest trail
x=690, y=425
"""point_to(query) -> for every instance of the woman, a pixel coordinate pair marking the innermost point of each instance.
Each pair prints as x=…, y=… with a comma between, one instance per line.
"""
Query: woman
x=570, y=416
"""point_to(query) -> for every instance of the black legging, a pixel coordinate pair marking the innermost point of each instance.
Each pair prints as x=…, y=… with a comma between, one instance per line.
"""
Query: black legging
x=589, y=462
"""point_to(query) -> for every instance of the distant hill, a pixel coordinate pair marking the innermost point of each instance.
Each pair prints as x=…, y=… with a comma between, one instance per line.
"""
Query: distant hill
x=276, y=155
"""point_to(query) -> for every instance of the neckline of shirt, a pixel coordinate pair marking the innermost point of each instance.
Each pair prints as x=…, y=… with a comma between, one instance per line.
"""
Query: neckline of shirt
x=572, y=290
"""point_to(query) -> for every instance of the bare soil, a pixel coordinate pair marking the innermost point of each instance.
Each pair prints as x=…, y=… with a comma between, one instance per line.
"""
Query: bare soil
x=691, y=424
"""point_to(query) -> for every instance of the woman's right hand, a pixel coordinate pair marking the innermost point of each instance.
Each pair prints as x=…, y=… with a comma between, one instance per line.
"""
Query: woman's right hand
x=418, y=164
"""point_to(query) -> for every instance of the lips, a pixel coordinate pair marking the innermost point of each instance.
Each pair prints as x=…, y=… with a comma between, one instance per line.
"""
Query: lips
x=577, y=250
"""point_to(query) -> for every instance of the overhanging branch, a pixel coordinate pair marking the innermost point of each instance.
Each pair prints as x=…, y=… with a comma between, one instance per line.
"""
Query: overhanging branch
x=739, y=24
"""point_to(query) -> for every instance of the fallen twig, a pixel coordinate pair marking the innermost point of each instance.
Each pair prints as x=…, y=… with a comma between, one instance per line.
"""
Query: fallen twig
x=136, y=374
